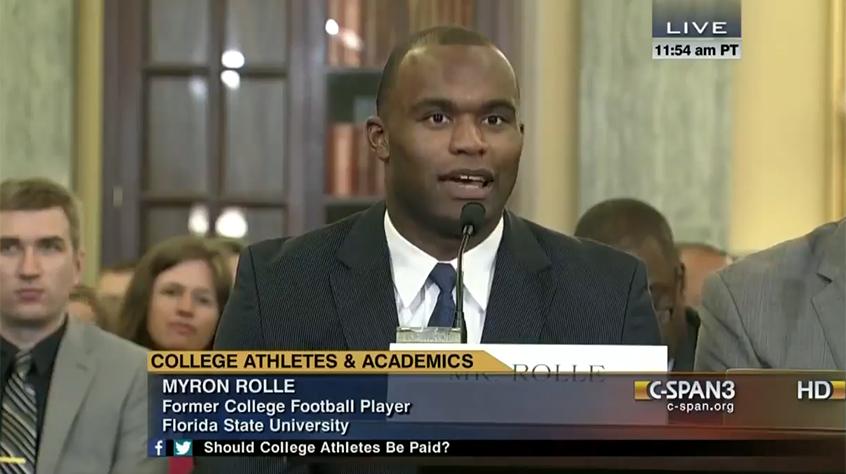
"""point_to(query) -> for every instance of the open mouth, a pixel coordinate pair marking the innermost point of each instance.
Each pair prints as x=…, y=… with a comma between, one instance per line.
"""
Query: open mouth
x=473, y=178
x=468, y=184
x=470, y=180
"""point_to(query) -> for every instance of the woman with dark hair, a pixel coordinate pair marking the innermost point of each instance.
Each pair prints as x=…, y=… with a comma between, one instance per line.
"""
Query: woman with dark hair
x=176, y=295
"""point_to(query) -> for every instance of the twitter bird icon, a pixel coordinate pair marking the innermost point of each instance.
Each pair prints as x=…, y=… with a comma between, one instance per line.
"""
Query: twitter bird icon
x=182, y=447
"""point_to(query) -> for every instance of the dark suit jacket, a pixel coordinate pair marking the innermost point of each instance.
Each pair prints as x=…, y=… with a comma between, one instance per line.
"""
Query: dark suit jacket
x=687, y=352
x=332, y=289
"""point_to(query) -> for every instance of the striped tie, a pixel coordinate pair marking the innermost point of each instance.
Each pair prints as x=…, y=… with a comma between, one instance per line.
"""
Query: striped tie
x=18, y=422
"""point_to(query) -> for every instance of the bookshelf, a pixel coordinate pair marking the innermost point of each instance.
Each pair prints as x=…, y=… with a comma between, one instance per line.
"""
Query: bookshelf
x=283, y=144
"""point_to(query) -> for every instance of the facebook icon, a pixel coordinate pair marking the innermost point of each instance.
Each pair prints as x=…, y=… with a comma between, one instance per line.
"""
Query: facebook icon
x=158, y=448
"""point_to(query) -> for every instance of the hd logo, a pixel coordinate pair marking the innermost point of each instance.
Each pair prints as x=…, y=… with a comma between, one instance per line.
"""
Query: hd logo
x=821, y=390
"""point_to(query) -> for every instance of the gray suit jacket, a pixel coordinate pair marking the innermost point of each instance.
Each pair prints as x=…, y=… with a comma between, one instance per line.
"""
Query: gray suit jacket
x=96, y=417
x=782, y=308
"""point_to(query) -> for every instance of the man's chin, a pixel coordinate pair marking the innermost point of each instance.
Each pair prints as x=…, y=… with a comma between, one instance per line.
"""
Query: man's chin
x=447, y=222
x=30, y=317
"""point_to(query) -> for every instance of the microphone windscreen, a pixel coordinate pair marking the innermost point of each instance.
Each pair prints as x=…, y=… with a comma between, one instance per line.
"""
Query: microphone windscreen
x=472, y=214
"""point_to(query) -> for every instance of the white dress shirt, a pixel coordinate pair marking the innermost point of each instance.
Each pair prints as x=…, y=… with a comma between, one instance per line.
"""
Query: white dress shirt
x=416, y=295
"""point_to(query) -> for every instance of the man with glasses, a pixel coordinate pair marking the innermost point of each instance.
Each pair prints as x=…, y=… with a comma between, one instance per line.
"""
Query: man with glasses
x=639, y=229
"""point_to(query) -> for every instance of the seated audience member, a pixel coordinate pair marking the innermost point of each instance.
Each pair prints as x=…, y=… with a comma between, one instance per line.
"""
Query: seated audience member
x=176, y=296
x=232, y=248
x=781, y=308
x=700, y=261
x=84, y=306
x=111, y=287
x=174, y=301
x=74, y=397
x=638, y=228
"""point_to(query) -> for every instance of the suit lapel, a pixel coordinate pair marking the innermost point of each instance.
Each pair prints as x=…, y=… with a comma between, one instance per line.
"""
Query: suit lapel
x=73, y=371
x=830, y=302
x=522, y=288
x=362, y=285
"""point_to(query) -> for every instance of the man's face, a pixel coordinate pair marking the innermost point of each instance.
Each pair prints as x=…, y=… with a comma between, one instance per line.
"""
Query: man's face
x=38, y=266
x=453, y=134
x=699, y=264
x=113, y=284
x=667, y=290
x=111, y=288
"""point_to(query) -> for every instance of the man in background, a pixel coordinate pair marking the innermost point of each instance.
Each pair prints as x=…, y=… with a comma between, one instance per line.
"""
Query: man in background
x=232, y=248
x=111, y=288
x=700, y=261
x=638, y=228
x=781, y=308
x=85, y=306
x=73, y=398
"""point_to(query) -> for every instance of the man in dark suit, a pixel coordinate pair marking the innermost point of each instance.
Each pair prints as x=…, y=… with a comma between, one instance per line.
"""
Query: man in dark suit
x=638, y=228
x=448, y=132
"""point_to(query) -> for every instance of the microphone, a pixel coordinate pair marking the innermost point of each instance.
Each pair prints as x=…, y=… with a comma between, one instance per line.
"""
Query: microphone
x=472, y=217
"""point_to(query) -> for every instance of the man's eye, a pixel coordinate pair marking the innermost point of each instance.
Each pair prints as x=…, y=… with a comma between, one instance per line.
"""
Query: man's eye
x=664, y=315
x=51, y=246
x=494, y=120
x=9, y=248
x=437, y=118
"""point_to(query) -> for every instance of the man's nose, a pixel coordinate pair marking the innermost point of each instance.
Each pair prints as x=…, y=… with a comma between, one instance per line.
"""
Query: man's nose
x=468, y=138
x=30, y=266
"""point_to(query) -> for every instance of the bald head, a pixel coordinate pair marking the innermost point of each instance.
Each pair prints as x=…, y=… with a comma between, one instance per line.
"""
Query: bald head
x=437, y=36
x=638, y=228
x=627, y=223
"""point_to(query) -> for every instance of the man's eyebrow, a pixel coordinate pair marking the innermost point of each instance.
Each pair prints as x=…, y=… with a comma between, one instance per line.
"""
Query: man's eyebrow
x=448, y=105
x=500, y=104
x=433, y=103
x=53, y=239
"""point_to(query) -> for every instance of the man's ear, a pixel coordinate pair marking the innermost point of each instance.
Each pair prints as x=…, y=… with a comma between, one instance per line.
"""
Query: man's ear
x=79, y=263
x=682, y=276
x=377, y=138
x=522, y=128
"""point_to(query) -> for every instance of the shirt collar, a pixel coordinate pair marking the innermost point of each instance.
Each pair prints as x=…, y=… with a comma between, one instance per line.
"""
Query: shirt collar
x=43, y=353
x=411, y=266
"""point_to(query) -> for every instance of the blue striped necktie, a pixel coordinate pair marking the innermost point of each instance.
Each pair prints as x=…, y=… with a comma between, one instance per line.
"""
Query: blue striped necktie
x=18, y=419
x=443, y=275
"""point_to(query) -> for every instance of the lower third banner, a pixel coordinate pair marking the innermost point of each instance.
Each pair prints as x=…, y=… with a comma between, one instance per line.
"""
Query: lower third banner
x=448, y=448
